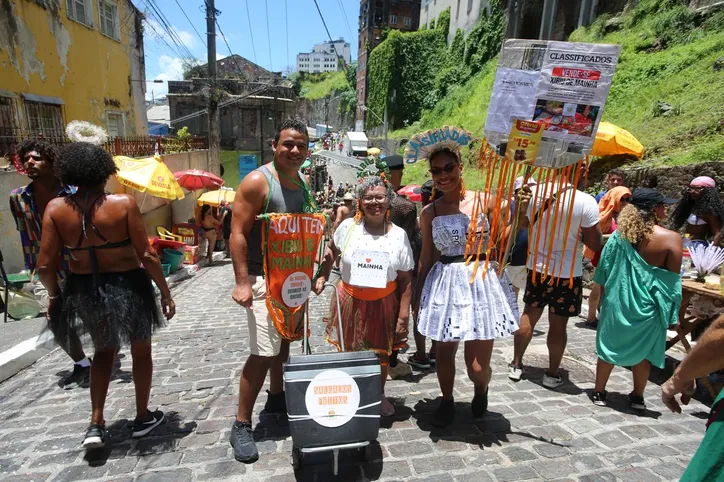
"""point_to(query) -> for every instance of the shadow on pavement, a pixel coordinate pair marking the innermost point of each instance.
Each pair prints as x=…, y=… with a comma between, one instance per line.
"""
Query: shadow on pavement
x=119, y=443
x=534, y=374
x=618, y=402
x=352, y=466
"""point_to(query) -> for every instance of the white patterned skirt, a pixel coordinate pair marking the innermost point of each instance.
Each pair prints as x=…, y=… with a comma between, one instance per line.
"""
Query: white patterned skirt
x=453, y=309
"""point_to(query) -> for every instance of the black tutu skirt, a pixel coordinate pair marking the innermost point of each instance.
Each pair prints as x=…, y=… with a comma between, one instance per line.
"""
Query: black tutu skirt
x=113, y=308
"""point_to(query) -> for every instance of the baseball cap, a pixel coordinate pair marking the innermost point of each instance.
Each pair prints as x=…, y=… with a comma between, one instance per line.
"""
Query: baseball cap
x=425, y=188
x=519, y=182
x=394, y=162
x=646, y=198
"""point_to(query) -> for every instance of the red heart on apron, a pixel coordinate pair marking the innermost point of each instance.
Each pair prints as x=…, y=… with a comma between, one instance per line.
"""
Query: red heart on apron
x=369, y=260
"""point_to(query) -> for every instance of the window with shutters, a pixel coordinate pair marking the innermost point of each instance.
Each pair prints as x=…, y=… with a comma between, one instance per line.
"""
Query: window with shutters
x=115, y=124
x=108, y=12
x=45, y=119
x=393, y=19
x=407, y=21
x=80, y=11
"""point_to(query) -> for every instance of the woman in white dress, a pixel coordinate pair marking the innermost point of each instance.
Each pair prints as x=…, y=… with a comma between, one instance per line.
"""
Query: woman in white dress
x=374, y=292
x=452, y=309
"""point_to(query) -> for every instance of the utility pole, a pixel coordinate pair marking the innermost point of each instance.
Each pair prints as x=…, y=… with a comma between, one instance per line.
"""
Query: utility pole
x=214, y=138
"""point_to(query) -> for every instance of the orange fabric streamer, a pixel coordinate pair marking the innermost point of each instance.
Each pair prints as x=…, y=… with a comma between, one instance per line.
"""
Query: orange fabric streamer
x=578, y=237
x=561, y=198
x=370, y=294
x=546, y=191
x=290, y=243
x=553, y=192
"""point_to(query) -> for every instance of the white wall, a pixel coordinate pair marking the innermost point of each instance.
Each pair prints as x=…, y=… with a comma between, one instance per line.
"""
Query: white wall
x=461, y=17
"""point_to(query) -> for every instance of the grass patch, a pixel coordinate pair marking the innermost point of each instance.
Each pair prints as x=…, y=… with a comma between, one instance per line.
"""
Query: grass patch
x=665, y=58
x=319, y=86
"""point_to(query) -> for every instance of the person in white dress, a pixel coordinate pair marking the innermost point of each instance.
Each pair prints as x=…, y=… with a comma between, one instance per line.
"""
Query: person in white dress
x=452, y=309
x=374, y=292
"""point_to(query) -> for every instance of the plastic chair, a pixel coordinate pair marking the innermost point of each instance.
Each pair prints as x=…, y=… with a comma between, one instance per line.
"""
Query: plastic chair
x=164, y=233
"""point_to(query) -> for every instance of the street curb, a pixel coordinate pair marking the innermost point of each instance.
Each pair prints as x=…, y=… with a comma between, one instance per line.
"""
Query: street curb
x=33, y=349
x=25, y=354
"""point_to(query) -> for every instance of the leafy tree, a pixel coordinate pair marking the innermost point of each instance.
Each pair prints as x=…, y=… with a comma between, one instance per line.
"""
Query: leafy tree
x=432, y=24
x=443, y=23
x=457, y=48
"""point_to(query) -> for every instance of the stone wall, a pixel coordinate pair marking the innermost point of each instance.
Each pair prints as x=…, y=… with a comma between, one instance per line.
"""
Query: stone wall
x=315, y=112
x=156, y=212
x=670, y=180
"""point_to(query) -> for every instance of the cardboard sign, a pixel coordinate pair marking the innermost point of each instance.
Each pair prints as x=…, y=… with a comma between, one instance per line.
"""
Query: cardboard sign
x=369, y=269
x=332, y=398
x=291, y=243
x=524, y=141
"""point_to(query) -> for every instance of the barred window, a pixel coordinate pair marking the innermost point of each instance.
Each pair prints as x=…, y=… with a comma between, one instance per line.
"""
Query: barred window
x=108, y=12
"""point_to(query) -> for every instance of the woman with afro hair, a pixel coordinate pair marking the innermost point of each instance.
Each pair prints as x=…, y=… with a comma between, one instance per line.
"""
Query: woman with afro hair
x=701, y=211
x=106, y=294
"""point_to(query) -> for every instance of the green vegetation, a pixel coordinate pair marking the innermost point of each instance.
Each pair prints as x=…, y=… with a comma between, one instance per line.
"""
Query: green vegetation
x=319, y=86
x=666, y=91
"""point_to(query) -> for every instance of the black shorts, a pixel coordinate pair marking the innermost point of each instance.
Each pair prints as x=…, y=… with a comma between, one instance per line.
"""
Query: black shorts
x=555, y=293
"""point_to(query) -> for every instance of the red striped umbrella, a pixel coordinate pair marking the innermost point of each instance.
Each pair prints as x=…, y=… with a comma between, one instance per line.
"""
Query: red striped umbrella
x=195, y=179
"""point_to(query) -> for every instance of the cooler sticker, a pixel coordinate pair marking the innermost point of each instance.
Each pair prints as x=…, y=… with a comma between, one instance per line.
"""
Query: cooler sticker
x=332, y=398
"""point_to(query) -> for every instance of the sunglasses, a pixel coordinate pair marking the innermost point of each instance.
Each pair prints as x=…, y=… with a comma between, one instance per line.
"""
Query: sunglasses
x=449, y=167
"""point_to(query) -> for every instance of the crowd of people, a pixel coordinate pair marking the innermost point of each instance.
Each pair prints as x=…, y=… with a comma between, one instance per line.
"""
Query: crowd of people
x=93, y=243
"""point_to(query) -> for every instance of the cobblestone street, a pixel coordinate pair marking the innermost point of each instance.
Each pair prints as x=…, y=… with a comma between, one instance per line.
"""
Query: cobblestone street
x=530, y=433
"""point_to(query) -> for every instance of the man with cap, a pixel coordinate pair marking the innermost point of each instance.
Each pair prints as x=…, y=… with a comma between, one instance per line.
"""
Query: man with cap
x=403, y=213
x=345, y=211
x=640, y=294
x=701, y=212
x=518, y=258
x=425, y=191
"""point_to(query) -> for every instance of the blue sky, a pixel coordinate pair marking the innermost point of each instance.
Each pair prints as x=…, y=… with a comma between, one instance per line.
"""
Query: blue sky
x=305, y=30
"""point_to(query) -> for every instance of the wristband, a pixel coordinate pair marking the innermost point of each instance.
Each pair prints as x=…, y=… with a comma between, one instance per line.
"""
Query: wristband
x=56, y=297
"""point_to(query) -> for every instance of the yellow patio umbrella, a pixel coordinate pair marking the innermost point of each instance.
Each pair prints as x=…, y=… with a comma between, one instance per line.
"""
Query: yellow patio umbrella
x=611, y=139
x=373, y=151
x=214, y=198
x=149, y=175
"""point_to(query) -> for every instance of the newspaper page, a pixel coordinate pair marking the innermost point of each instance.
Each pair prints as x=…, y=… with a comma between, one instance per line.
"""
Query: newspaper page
x=572, y=90
x=562, y=85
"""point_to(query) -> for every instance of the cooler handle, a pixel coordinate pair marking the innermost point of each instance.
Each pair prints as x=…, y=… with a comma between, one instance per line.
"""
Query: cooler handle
x=339, y=314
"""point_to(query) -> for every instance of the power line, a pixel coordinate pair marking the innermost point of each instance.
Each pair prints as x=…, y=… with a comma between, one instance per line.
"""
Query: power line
x=248, y=17
x=192, y=25
x=169, y=29
x=238, y=69
x=344, y=13
x=286, y=25
x=334, y=46
x=222, y=104
x=268, y=36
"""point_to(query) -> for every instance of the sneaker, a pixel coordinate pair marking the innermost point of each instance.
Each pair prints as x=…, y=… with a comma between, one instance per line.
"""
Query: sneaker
x=95, y=437
x=552, y=382
x=515, y=373
x=445, y=414
x=242, y=440
x=386, y=407
x=479, y=404
x=637, y=403
x=431, y=357
x=80, y=378
x=599, y=398
x=421, y=363
x=276, y=402
x=401, y=370
x=142, y=428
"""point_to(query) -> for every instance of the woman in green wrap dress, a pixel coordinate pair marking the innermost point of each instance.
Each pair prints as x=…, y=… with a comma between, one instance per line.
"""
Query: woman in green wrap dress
x=639, y=274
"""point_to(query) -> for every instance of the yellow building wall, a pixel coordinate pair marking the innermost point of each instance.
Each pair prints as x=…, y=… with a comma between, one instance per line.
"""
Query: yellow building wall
x=44, y=52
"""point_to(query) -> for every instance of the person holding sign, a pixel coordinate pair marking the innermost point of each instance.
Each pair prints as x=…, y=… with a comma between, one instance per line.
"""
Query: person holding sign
x=375, y=289
x=277, y=187
x=458, y=302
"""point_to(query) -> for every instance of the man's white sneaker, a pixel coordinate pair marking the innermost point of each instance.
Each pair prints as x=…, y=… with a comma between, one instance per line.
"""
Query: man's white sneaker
x=515, y=373
x=552, y=382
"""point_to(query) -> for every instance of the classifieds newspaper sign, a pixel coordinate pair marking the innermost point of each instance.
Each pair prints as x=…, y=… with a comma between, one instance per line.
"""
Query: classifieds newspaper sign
x=561, y=85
